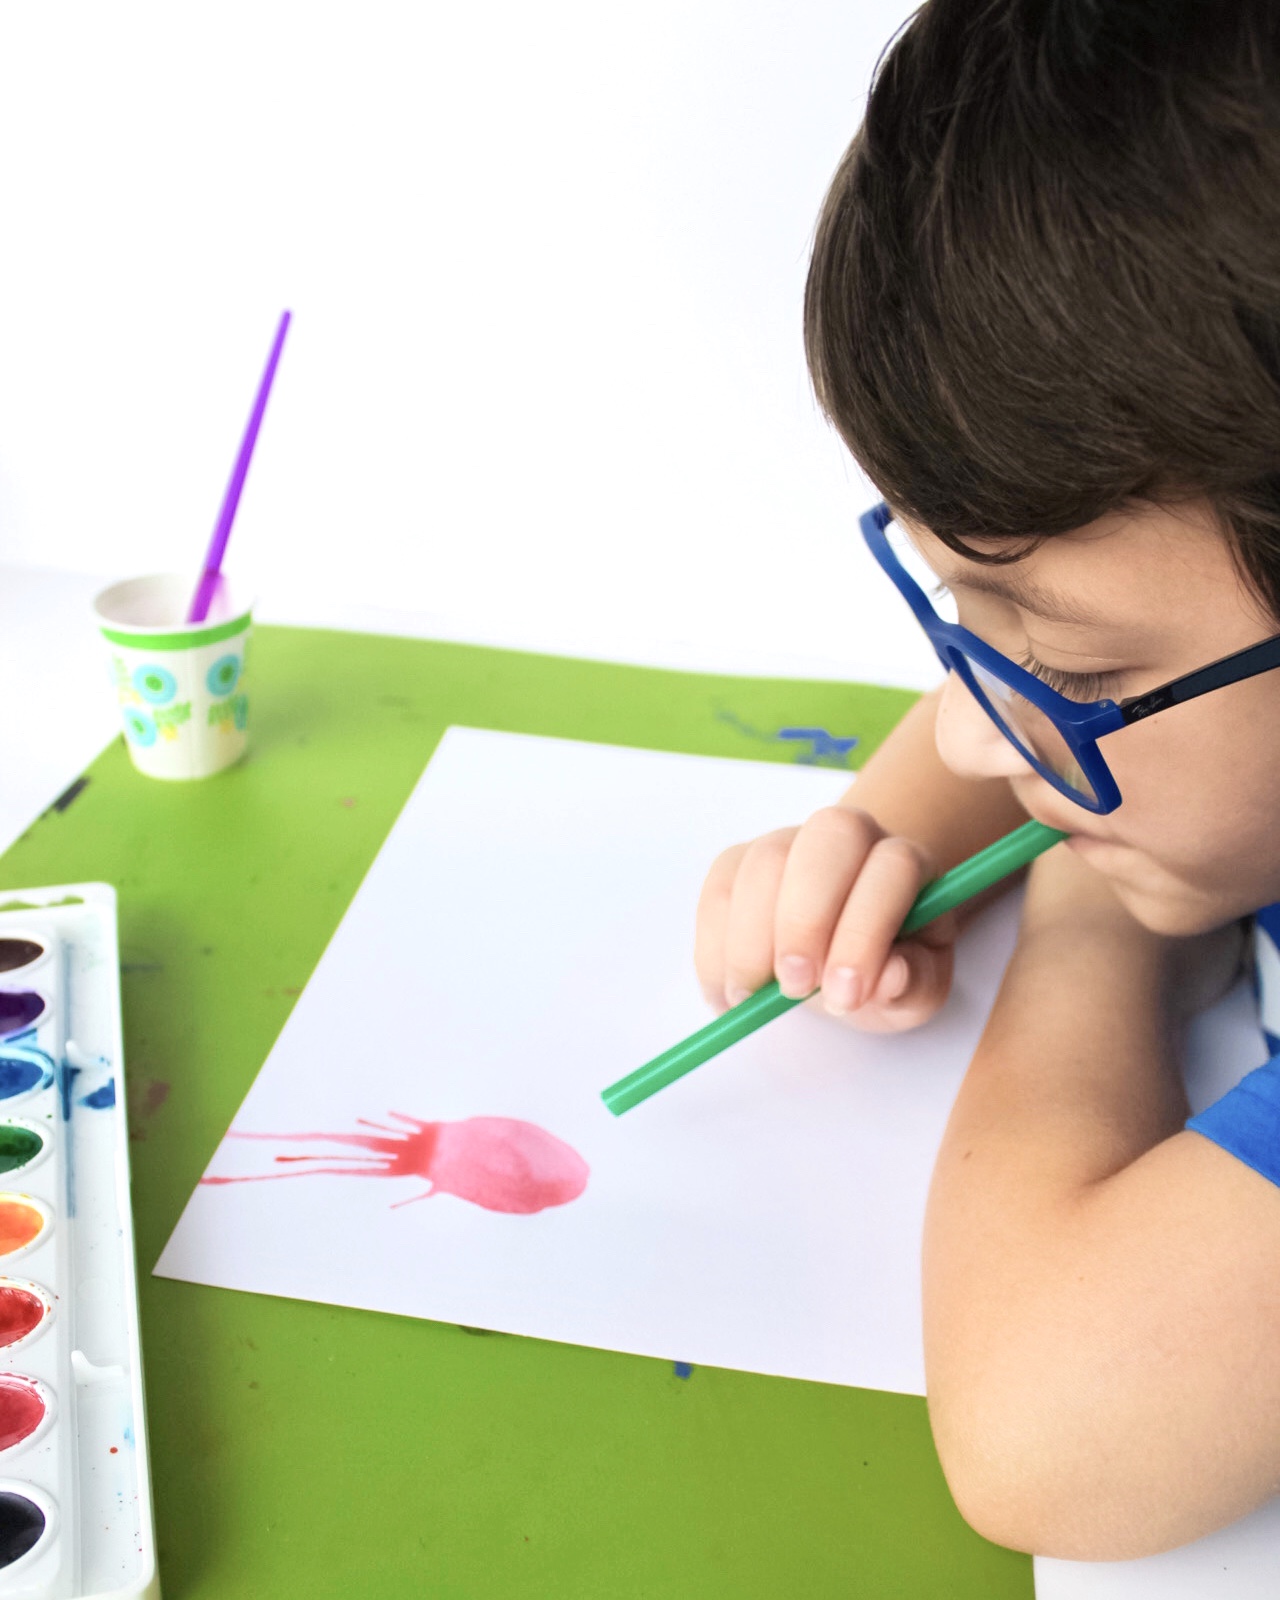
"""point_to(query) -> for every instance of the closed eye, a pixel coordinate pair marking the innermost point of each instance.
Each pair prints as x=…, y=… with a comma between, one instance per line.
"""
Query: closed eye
x=1080, y=686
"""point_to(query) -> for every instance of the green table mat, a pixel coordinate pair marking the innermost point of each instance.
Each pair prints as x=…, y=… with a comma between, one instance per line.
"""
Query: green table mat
x=316, y=1451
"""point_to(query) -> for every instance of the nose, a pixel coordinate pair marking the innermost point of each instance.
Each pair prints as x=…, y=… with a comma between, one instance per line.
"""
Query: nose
x=969, y=743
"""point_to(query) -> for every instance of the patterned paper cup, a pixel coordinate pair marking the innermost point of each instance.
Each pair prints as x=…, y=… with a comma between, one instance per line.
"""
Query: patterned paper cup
x=180, y=685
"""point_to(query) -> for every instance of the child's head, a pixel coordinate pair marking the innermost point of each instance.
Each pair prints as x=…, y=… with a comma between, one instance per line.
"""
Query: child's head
x=1044, y=314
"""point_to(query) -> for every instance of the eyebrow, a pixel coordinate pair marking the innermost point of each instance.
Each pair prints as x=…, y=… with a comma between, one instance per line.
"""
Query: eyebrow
x=1050, y=604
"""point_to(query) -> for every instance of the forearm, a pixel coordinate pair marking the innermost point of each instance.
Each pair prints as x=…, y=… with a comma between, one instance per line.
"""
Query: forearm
x=1035, y=1336
x=909, y=791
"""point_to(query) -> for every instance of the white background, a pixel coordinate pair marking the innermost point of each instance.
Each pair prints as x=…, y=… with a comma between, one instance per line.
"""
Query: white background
x=545, y=383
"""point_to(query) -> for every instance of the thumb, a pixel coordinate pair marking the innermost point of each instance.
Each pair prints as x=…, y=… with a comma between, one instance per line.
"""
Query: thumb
x=897, y=1004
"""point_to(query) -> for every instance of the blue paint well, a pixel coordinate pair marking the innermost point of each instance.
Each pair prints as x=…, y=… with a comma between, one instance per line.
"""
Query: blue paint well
x=101, y=1099
x=23, y=1070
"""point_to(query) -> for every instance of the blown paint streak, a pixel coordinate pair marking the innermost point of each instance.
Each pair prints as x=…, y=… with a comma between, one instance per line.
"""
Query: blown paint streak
x=494, y=1162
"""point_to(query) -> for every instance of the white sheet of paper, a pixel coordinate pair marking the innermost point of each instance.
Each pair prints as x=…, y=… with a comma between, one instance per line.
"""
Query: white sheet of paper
x=522, y=940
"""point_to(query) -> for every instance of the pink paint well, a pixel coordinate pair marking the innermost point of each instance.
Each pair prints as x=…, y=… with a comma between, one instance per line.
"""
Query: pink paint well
x=495, y=1162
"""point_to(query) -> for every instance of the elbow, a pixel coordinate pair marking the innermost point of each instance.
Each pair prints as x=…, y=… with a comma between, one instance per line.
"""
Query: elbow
x=1021, y=1480
x=990, y=1482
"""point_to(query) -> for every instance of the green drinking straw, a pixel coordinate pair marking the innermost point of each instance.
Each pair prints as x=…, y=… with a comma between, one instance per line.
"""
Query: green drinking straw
x=971, y=877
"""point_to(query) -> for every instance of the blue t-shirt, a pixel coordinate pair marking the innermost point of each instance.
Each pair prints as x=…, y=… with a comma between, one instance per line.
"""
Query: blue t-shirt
x=1246, y=1121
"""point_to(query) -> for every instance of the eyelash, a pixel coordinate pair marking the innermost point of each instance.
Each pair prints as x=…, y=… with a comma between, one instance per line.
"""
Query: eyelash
x=1081, y=686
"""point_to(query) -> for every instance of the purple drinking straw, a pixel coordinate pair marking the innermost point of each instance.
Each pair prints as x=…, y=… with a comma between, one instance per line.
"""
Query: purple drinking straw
x=208, y=584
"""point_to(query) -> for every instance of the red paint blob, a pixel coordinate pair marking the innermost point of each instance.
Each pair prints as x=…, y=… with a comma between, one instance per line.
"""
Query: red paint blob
x=21, y=1312
x=21, y=1410
x=495, y=1162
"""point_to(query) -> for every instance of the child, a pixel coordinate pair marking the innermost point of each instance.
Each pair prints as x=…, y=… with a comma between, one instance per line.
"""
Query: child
x=1044, y=314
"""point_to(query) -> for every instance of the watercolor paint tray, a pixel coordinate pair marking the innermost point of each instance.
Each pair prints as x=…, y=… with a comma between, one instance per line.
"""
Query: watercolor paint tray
x=75, y=1492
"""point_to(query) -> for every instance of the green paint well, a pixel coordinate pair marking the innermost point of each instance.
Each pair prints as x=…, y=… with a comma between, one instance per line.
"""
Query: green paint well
x=18, y=1146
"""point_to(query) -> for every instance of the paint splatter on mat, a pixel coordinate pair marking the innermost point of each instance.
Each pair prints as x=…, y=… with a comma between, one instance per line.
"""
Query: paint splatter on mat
x=809, y=747
x=495, y=1162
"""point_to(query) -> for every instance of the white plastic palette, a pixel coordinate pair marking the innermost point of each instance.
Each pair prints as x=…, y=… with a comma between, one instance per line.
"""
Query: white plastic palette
x=75, y=1493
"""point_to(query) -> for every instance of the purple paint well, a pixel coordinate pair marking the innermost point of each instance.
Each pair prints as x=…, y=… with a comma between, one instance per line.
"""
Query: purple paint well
x=20, y=1009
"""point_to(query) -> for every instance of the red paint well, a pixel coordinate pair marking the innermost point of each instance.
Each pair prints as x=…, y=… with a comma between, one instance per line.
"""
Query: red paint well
x=21, y=1410
x=21, y=1312
x=495, y=1162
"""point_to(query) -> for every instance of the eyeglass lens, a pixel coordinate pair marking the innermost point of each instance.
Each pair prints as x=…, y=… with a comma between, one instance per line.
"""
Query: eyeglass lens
x=1033, y=733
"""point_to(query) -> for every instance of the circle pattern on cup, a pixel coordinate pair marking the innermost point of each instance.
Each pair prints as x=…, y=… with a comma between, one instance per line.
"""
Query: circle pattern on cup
x=22, y=1526
x=24, y=1405
x=24, y=1221
x=24, y=1308
x=138, y=727
x=223, y=675
x=23, y=1071
x=155, y=684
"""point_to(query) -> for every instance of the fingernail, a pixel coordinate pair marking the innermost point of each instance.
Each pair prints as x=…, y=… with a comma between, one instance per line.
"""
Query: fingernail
x=842, y=991
x=735, y=994
x=897, y=975
x=795, y=977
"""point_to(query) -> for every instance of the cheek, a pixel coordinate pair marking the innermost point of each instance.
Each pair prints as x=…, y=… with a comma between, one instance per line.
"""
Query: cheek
x=1200, y=790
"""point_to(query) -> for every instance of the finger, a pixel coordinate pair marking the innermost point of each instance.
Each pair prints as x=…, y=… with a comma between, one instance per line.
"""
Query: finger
x=874, y=911
x=748, y=949
x=711, y=924
x=894, y=1010
x=825, y=859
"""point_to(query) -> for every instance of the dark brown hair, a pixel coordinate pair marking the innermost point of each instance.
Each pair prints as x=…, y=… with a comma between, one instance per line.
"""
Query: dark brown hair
x=1046, y=278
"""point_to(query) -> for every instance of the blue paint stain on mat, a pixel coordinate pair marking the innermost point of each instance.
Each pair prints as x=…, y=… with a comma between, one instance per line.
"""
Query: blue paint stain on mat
x=826, y=749
x=813, y=747
x=682, y=1369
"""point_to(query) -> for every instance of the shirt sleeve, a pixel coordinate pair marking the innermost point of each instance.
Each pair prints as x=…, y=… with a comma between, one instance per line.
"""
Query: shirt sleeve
x=1246, y=1121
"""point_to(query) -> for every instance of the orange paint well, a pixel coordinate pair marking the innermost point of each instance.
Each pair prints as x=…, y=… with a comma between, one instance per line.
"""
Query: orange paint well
x=20, y=1223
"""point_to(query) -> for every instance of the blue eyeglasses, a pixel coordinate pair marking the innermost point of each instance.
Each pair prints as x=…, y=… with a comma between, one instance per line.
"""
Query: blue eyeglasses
x=1057, y=736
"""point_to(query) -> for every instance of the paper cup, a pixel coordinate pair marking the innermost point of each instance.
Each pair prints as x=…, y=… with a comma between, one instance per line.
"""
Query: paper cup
x=180, y=685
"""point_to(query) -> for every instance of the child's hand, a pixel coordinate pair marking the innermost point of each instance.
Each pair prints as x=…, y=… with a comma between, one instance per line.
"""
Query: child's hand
x=818, y=906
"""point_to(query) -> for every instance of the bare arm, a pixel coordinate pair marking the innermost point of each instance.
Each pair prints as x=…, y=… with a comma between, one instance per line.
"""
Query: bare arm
x=1100, y=1286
